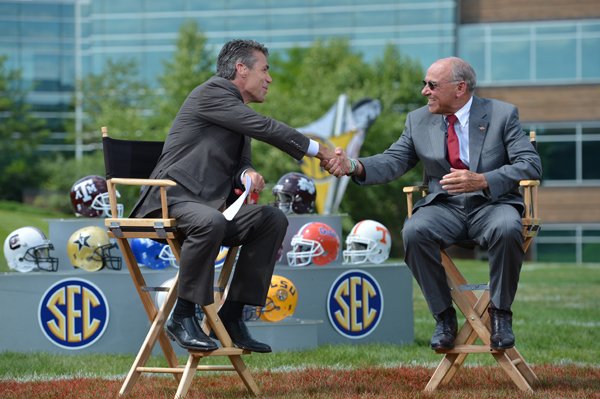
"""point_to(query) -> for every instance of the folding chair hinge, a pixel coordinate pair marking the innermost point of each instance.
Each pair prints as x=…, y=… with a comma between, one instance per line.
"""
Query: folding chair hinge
x=160, y=229
x=116, y=229
x=474, y=287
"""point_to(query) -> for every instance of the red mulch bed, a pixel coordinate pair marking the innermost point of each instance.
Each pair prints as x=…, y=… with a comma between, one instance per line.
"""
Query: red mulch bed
x=399, y=382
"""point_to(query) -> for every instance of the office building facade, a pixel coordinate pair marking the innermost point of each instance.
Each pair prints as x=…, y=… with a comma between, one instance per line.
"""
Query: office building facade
x=542, y=55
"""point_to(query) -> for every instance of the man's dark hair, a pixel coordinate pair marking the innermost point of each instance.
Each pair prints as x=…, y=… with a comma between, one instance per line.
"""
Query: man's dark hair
x=235, y=51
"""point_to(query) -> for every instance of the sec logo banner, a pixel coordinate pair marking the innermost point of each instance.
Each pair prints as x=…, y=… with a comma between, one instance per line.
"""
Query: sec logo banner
x=355, y=304
x=73, y=313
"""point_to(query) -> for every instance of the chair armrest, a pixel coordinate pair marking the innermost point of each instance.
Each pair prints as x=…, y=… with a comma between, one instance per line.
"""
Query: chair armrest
x=530, y=198
x=162, y=183
x=409, y=190
x=529, y=183
x=143, y=182
x=414, y=189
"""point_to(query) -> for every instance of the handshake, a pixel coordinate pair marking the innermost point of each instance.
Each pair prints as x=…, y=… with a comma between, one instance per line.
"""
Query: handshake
x=336, y=162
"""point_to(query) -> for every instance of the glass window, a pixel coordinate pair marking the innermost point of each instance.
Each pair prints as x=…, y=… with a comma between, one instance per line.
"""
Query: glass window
x=556, y=252
x=556, y=59
x=590, y=58
x=590, y=164
x=590, y=130
x=162, y=5
x=9, y=28
x=162, y=25
x=118, y=6
x=48, y=30
x=510, y=60
x=550, y=152
x=333, y=20
x=549, y=232
x=590, y=252
x=37, y=10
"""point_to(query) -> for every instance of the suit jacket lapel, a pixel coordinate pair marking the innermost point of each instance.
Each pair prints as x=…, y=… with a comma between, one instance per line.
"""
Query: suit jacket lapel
x=478, y=125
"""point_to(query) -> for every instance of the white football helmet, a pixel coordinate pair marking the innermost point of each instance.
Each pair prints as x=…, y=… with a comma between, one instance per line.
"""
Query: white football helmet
x=27, y=249
x=368, y=241
x=161, y=295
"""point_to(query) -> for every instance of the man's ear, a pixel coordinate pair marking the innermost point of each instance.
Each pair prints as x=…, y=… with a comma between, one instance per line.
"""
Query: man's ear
x=242, y=70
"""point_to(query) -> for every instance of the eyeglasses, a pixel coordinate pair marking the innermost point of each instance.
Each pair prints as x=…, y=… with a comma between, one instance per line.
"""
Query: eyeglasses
x=434, y=85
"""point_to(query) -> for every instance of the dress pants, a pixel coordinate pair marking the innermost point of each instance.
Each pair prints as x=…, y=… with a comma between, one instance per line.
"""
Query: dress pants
x=451, y=219
x=258, y=229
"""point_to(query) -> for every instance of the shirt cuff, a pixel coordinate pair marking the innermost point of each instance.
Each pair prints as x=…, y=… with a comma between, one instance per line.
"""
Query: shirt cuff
x=313, y=148
x=242, y=175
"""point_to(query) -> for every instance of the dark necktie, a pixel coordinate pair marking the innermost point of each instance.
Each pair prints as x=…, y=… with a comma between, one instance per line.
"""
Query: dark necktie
x=453, y=144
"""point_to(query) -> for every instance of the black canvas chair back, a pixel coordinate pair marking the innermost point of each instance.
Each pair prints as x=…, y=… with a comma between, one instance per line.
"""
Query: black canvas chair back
x=130, y=159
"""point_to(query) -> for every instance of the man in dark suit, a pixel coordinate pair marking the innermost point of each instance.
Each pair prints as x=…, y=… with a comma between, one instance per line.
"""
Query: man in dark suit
x=207, y=152
x=474, y=153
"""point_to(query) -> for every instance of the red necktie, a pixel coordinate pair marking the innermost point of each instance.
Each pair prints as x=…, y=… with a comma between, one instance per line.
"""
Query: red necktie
x=453, y=145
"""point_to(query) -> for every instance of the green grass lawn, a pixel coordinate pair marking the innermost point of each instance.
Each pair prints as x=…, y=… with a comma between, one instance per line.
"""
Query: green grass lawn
x=556, y=321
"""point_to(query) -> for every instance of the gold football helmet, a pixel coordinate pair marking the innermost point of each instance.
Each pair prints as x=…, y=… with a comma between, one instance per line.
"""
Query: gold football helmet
x=89, y=249
x=281, y=300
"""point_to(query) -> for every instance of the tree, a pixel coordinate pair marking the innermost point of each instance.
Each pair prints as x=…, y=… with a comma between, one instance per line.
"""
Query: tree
x=191, y=65
x=308, y=81
x=117, y=98
x=20, y=135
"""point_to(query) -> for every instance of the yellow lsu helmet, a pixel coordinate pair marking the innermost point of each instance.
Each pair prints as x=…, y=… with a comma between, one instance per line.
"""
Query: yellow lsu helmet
x=282, y=299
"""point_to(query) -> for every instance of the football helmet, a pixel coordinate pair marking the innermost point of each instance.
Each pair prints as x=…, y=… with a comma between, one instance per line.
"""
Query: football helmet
x=27, y=249
x=315, y=242
x=295, y=193
x=89, y=198
x=220, y=260
x=368, y=241
x=161, y=295
x=89, y=249
x=152, y=254
x=281, y=300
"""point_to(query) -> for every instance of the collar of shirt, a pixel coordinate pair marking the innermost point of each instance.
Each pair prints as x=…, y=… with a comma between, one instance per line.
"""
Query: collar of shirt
x=463, y=114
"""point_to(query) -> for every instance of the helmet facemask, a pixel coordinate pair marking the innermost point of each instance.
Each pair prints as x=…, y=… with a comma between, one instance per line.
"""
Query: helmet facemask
x=40, y=256
x=303, y=252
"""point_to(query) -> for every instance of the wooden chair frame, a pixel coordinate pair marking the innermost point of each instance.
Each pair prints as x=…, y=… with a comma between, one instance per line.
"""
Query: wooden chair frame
x=477, y=321
x=164, y=228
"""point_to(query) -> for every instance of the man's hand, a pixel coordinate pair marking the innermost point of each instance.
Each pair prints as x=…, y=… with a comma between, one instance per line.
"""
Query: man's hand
x=325, y=154
x=463, y=181
x=258, y=182
x=339, y=165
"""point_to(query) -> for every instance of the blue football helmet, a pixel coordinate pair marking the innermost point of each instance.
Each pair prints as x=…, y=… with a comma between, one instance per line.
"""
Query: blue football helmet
x=152, y=254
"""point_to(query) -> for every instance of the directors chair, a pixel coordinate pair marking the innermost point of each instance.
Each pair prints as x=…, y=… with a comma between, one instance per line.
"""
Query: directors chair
x=477, y=321
x=130, y=163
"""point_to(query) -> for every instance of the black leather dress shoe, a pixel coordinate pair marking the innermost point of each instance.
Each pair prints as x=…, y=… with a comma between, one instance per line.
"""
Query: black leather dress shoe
x=445, y=331
x=240, y=336
x=502, y=336
x=188, y=334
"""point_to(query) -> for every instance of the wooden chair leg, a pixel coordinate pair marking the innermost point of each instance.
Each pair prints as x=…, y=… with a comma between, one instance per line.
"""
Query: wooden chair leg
x=477, y=325
x=187, y=377
x=156, y=330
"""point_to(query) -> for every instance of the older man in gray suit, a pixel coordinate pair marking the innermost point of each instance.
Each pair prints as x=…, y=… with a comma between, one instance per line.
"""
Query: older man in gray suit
x=474, y=153
x=207, y=152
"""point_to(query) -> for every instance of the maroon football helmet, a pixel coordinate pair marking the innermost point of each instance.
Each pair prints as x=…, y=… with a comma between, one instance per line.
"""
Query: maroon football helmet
x=295, y=193
x=89, y=198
